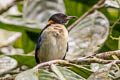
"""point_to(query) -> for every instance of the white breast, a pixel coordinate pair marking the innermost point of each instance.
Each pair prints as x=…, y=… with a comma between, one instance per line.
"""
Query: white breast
x=54, y=43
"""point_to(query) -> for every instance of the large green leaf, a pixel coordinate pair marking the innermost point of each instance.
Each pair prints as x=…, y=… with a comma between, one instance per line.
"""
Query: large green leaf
x=27, y=43
x=41, y=10
x=18, y=43
x=65, y=74
x=20, y=7
x=102, y=73
x=7, y=64
x=104, y=48
x=33, y=36
x=36, y=75
x=78, y=7
x=82, y=71
x=45, y=75
x=111, y=13
x=25, y=60
x=107, y=46
x=40, y=74
x=91, y=31
x=112, y=42
x=18, y=24
x=28, y=75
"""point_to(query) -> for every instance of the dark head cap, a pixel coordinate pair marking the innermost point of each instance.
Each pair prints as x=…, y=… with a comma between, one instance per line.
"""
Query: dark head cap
x=59, y=18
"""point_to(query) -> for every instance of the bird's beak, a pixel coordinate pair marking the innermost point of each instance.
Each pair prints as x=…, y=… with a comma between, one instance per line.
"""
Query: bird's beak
x=70, y=17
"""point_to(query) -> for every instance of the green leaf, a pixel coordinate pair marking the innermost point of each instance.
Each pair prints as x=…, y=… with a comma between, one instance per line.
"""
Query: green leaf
x=36, y=75
x=82, y=71
x=18, y=43
x=45, y=75
x=78, y=7
x=58, y=73
x=40, y=74
x=20, y=7
x=28, y=75
x=7, y=64
x=27, y=43
x=25, y=60
x=18, y=24
x=111, y=13
x=102, y=73
x=1, y=53
x=112, y=42
x=41, y=10
x=65, y=74
x=107, y=46
x=91, y=31
x=104, y=48
x=33, y=36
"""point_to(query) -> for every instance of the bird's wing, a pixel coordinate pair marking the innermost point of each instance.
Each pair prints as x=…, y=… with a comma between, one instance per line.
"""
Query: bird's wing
x=37, y=49
x=38, y=45
x=67, y=47
x=66, y=50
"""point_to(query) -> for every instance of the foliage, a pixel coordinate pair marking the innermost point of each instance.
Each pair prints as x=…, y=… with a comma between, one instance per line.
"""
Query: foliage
x=96, y=23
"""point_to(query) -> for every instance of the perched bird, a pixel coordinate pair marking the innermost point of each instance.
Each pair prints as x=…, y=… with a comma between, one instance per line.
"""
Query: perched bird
x=53, y=40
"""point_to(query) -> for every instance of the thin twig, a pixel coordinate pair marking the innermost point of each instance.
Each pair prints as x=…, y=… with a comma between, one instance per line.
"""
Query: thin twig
x=114, y=24
x=107, y=55
x=93, y=60
x=9, y=6
x=96, y=6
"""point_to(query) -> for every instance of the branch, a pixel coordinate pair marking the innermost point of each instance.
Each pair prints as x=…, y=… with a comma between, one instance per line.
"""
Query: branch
x=50, y=62
x=9, y=6
x=93, y=60
x=98, y=58
x=77, y=61
x=96, y=6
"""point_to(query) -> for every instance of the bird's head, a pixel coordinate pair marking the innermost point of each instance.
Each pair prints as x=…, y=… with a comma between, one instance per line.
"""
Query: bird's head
x=60, y=18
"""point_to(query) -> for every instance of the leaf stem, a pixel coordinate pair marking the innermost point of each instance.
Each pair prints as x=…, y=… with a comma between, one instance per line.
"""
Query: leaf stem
x=114, y=38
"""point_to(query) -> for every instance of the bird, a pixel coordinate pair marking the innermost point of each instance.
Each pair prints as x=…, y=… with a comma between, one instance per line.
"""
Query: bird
x=52, y=42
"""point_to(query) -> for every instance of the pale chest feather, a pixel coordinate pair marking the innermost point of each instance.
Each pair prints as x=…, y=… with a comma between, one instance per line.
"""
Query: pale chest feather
x=54, y=43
